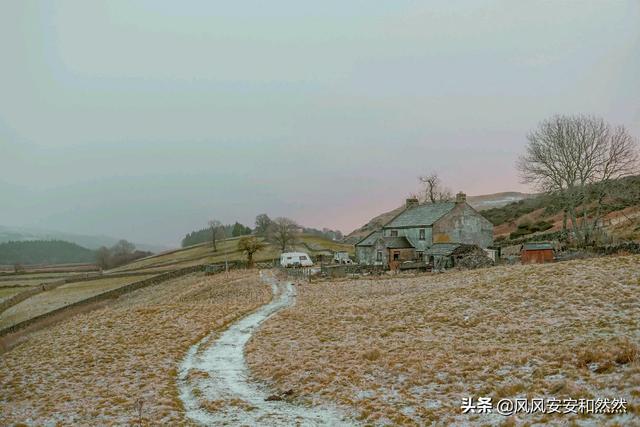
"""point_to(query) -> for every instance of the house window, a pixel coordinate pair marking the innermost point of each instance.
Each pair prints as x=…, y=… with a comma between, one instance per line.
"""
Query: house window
x=420, y=255
x=396, y=256
x=422, y=234
x=394, y=233
x=379, y=256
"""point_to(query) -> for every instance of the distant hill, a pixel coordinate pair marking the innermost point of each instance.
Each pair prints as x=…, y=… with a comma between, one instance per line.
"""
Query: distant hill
x=497, y=200
x=44, y=252
x=483, y=202
x=9, y=233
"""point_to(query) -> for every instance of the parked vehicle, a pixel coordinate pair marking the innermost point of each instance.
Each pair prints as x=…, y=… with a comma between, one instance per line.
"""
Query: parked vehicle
x=295, y=259
x=342, y=257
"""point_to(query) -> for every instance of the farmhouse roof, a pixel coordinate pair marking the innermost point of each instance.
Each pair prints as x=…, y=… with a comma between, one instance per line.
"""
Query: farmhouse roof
x=442, y=249
x=397, y=242
x=421, y=215
x=370, y=239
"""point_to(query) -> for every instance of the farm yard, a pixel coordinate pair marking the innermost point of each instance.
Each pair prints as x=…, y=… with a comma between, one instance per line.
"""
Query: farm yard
x=406, y=350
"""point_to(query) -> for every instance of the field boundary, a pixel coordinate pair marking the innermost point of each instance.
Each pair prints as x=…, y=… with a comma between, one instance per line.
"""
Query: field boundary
x=114, y=293
x=48, y=286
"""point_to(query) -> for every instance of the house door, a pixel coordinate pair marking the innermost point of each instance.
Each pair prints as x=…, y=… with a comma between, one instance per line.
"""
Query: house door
x=394, y=259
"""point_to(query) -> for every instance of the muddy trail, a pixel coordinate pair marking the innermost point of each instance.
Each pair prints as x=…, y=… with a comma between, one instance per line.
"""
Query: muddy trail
x=215, y=384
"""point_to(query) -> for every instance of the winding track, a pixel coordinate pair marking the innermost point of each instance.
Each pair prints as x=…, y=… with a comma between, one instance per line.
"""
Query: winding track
x=228, y=378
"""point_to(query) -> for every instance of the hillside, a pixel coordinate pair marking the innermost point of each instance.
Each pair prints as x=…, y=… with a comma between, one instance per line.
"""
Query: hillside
x=44, y=252
x=483, y=202
x=10, y=233
x=228, y=251
x=530, y=217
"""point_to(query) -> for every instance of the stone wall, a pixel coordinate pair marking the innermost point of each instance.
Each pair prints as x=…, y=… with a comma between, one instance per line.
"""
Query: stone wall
x=114, y=293
x=463, y=225
x=47, y=286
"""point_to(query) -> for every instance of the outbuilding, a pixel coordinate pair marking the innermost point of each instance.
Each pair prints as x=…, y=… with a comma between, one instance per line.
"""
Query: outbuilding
x=537, y=253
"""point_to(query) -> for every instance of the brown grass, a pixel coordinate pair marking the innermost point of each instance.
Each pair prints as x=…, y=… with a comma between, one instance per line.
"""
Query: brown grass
x=59, y=297
x=407, y=350
x=95, y=367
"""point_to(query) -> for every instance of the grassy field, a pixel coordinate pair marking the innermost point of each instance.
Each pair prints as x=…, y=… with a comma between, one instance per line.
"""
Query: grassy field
x=93, y=368
x=406, y=350
x=22, y=283
x=227, y=250
x=61, y=296
x=35, y=276
x=7, y=291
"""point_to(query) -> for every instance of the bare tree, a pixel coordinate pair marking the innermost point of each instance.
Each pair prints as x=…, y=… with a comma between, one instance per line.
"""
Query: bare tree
x=216, y=227
x=103, y=257
x=262, y=224
x=123, y=248
x=578, y=158
x=283, y=232
x=434, y=189
x=249, y=245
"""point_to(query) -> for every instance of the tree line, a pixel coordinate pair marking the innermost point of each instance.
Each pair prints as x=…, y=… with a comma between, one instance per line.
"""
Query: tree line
x=280, y=231
x=221, y=232
x=121, y=253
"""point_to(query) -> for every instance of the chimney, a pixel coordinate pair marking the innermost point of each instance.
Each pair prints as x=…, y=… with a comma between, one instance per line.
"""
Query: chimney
x=411, y=203
x=461, y=198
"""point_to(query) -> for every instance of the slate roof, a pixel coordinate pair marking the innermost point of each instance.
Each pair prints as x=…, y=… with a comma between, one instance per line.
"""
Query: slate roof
x=537, y=246
x=421, y=215
x=442, y=249
x=370, y=239
x=400, y=242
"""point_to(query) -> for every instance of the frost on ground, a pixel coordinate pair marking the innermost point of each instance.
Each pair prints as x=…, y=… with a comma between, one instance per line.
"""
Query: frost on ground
x=62, y=296
x=96, y=367
x=215, y=384
x=406, y=350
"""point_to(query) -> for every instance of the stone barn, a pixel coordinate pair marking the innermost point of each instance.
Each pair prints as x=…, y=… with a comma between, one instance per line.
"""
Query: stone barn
x=410, y=234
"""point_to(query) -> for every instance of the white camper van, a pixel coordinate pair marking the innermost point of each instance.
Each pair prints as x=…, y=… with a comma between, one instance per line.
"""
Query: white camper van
x=295, y=259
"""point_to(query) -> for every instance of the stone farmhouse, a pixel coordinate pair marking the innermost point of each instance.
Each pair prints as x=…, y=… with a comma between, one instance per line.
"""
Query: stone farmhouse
x=417, y=232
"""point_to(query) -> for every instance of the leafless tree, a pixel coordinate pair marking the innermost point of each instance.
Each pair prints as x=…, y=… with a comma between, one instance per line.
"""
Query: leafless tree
x=123, y=248
x=283, y=232
x=434, y=189
x=578, y=158
x=103, y=257
x=249, y=245
x=262, y=224
x=216, y=230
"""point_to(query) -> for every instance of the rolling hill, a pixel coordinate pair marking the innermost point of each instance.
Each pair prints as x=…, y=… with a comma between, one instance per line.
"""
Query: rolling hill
x=44, y=252
x=228, y=251
x=11, y=233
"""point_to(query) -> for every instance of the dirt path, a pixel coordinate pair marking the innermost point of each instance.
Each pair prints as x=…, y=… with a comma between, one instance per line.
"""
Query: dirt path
x=216, y=373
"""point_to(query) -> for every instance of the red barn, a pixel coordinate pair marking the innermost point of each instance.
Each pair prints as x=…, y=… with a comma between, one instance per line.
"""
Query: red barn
x=537, y=253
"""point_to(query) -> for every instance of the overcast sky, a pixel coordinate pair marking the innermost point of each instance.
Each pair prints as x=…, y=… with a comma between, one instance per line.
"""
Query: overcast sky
x=144, y=119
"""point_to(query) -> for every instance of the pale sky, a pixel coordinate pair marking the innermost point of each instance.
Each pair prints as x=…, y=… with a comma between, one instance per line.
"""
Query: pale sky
x=144, y=119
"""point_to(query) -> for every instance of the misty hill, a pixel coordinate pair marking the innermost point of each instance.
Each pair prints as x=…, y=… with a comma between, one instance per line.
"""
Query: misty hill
x=483, y=202
x=44, y=252
x=14, y=234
